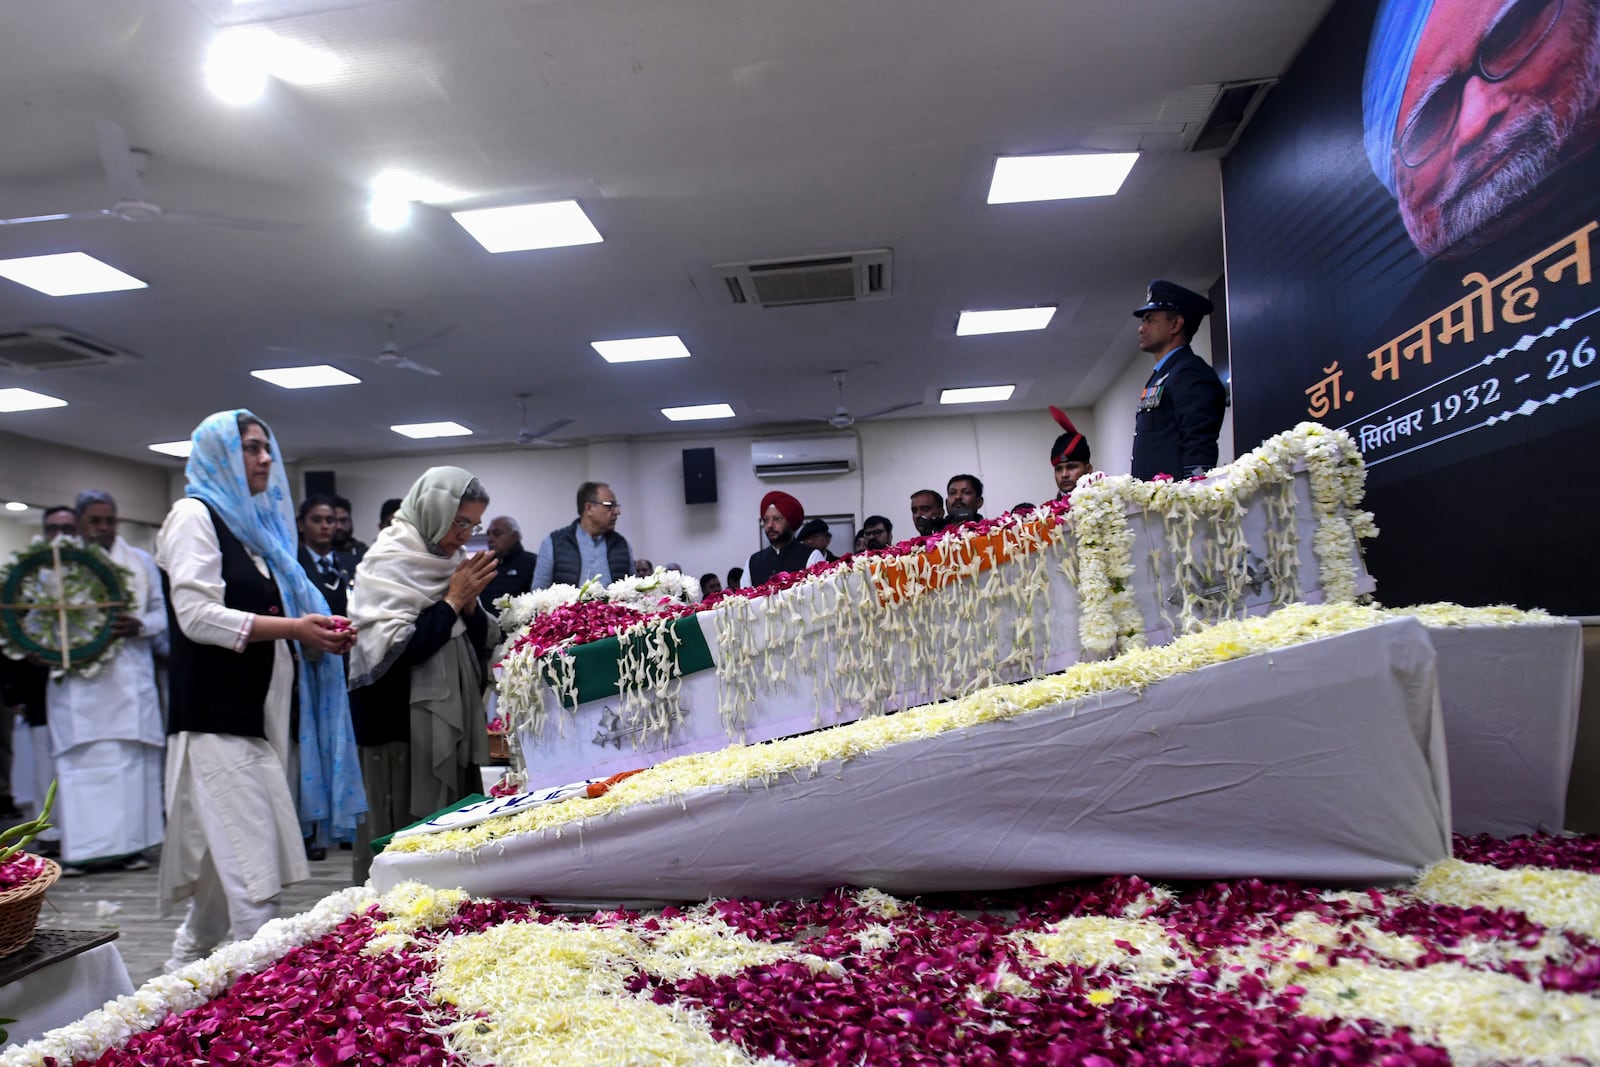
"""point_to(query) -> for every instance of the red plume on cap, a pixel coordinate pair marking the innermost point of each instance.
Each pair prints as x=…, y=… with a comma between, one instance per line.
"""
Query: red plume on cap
x=1071, y=445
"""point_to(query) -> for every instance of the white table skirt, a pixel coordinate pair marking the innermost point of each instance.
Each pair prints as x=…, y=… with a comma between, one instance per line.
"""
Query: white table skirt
x=1510, y=698
x=1323, y=762
x=63, y=992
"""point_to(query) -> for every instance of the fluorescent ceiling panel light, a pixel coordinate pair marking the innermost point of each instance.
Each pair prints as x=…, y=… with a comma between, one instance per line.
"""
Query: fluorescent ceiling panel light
x=181, y=449
x=305, y=377
x=16, y=505
x=67, y=274
x=640, y=349
x=978, y=394
x=418, y=431
x=524, y=226
x=698, y=411
x=1004, y=320
x=27, y=400
x=296, y=62
x=1018, y=179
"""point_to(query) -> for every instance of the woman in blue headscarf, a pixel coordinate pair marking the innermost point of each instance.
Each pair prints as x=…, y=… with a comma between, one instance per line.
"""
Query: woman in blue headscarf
x=257, y=685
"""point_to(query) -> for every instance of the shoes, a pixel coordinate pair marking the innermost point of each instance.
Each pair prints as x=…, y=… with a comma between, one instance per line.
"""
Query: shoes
x=136, y=863
x=73, y=870
x=50, y=850
x=315, y=852
x=345, y=846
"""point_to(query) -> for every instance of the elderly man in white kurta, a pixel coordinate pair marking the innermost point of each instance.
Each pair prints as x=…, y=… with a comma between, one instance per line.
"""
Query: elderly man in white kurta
x=106, y=733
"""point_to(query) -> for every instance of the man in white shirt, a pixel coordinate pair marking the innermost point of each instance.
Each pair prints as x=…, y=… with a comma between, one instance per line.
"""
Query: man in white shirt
x=106, y=734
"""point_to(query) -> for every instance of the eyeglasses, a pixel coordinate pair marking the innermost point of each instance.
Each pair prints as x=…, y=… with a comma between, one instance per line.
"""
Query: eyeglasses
x=464, y=525
x=1517, y=35
x=609, y=505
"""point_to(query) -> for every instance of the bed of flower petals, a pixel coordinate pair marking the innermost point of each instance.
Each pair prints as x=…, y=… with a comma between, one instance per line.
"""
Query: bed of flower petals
x=1104, y=972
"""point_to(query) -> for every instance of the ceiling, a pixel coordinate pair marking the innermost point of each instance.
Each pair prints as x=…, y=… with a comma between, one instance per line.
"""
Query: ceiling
x=693, y=132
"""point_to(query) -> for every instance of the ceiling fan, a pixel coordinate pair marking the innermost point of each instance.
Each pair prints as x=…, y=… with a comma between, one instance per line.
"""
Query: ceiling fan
x=122, y=165
x=842, y=419
x=391, y=356
x=539, y=438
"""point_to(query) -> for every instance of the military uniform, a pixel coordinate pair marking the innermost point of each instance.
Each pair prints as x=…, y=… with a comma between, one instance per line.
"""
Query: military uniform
x=1181, y=408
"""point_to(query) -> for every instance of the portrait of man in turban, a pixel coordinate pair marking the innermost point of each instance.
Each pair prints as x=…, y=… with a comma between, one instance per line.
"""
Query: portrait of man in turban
x=1470, y=106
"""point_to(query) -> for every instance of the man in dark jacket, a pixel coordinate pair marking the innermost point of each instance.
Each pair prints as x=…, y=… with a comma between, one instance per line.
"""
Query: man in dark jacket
x=590, y=547
x=781, y=516
x=515, y=575
x=1181, y=408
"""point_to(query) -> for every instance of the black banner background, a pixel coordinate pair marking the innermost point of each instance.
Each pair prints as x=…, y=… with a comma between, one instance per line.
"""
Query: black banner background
x=1488, y=492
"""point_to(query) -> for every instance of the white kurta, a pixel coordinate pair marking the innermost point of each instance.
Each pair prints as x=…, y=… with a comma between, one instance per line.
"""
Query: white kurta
x=106, y=737
x=239, y=779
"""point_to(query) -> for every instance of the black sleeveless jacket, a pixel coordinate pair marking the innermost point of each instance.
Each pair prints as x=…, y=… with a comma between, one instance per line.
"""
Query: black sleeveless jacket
x=216, y=690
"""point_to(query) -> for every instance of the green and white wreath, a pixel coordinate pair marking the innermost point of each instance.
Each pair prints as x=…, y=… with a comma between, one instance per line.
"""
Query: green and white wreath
x=58, y=600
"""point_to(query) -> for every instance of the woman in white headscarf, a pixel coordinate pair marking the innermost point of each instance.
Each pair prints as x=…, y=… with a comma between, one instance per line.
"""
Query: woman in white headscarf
x=416, y=673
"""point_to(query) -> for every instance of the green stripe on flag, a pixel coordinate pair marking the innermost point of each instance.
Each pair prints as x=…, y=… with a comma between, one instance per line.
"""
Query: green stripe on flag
x=595, y=664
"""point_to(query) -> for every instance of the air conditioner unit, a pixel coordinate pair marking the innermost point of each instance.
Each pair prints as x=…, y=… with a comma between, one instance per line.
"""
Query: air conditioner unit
x=843, y=277
x=40, y=348
x=796, y=457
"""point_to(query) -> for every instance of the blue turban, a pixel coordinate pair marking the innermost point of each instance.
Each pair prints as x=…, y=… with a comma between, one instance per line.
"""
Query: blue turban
x=1395, y=33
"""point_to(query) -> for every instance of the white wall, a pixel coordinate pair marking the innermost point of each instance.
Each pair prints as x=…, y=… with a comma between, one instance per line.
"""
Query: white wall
x=45, y=475
x=537, y=487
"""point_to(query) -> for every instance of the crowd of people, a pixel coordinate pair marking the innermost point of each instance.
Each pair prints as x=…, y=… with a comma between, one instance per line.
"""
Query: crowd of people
x=279, y=686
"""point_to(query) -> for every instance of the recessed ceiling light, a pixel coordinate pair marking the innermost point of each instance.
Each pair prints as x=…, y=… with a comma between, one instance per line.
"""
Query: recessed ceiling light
x=639, y=349
x=27, y=400
x=234, y=73
x=181, y=449
x=1062, y=177
x=698, y=411
x=978, y=394
x=16, y=505
x=419, y=430
x=306, y=377
x=387, y=212
x=403, y=185
x=524, y=226
x=1003, y=320
x=67, y=274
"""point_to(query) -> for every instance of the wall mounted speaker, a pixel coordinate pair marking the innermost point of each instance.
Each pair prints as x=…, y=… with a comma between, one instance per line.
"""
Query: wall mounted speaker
x=699, y=476
x=320, y=483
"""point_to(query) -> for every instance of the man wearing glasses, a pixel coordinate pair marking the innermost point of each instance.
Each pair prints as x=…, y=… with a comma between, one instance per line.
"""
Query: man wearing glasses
x=590, y=547
x=1470, y=105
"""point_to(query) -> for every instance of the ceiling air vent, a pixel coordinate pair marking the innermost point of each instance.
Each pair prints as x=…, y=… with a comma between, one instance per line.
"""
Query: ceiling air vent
x=833, y=279
x=43, y=348
x=1232, y=110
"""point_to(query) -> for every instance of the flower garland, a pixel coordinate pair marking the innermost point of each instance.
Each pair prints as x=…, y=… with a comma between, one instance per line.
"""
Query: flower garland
x=1097, y=972
x=68, y=587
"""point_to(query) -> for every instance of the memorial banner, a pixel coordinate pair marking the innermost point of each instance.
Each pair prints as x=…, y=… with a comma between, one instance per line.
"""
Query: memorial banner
x=1411, y=223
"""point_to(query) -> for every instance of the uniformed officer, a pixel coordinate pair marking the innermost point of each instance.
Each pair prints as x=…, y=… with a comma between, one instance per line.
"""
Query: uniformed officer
x=1181, y=408
x=1069, y=456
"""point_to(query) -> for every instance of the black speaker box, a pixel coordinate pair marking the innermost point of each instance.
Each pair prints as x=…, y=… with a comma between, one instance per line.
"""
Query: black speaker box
x=699, y=476
x=319, y=483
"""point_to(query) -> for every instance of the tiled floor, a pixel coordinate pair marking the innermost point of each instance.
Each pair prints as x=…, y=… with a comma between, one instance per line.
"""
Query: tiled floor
x=126, y=902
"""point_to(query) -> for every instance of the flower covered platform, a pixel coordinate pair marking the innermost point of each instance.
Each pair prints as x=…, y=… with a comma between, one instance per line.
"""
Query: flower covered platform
x=1492, y=957
x=594, y=690
x=1304, y=744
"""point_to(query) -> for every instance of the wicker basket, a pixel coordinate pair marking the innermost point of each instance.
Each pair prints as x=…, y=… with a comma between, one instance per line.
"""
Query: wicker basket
x=19, y=909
